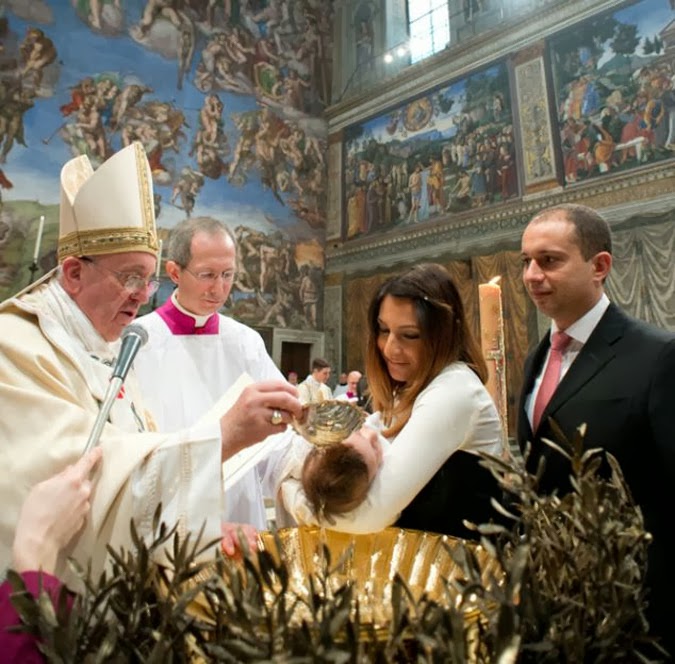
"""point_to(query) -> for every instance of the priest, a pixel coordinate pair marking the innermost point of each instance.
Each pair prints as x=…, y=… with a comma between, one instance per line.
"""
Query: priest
x=195, y=353
x=58, y=340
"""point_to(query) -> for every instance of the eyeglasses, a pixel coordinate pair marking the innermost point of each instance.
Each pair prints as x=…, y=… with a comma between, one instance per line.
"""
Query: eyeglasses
x=134, y=283
x=210, y=277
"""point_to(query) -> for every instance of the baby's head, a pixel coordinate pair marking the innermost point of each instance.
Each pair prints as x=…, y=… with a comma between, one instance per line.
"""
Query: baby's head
x=336, y=479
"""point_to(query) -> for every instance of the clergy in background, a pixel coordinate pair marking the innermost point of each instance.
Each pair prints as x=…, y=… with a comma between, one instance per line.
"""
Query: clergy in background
x=195, y=353
x=314, y=388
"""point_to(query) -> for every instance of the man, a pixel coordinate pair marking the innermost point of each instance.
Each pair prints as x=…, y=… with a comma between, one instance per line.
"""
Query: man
x=351, y=393
x=617, y=376
x=57, y=342
x=341, y=386
x=194, y=354
x=314, y=389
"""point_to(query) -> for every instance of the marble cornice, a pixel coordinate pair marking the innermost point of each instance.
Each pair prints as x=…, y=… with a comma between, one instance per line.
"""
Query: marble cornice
x=645, y=191
x=514, y=34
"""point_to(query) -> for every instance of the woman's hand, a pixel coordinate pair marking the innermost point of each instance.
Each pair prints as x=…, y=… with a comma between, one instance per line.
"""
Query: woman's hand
x=52, y=514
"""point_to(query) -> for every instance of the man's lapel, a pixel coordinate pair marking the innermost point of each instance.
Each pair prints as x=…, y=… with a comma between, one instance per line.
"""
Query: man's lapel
x=595, y=354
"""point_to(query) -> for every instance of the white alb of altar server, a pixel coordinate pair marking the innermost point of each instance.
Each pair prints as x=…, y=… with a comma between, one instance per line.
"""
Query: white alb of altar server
x=194, y=354
x=183, y=375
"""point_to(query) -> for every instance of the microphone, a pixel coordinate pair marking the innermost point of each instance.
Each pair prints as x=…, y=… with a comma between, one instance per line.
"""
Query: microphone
x=133, y=337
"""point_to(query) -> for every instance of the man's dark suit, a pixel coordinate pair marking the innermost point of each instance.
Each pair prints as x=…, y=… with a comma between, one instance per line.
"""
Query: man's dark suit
x=622, y=385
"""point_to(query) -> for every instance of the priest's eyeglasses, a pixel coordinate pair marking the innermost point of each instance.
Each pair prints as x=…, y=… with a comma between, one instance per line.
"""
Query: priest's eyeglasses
x=211, y=277
x=130, y=281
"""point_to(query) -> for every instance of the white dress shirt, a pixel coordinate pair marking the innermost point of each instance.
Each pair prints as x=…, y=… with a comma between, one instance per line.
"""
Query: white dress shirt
x=580, y=331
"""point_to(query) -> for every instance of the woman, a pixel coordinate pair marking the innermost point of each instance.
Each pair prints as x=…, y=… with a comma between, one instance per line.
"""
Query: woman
x=426, y=377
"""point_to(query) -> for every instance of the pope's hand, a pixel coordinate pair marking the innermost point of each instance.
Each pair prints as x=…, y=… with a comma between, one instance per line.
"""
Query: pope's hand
x=261, y=410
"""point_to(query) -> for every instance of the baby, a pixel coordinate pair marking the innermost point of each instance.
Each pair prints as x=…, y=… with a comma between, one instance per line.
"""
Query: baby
x=334, y=479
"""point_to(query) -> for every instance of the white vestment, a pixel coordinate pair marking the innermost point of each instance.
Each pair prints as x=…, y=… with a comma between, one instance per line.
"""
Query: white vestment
x=312, y=391
x=53, y=376
x=183, y=375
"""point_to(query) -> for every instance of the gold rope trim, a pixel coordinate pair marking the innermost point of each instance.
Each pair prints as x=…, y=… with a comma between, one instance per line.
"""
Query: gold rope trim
x=147, y=202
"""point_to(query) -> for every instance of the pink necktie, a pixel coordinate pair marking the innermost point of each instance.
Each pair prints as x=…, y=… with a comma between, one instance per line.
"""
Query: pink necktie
x=559, y=342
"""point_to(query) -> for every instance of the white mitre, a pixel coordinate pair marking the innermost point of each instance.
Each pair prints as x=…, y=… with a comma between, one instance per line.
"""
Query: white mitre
x=110, y=210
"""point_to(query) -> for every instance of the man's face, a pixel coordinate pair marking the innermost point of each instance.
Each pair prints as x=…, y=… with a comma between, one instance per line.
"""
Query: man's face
x=322, y=375
x=562, y=284
x=353, y=382
x=205, y=283
x=100, y=293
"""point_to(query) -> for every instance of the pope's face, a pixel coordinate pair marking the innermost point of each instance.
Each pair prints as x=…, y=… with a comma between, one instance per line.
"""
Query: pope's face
x=205, y=283
x=101, y=295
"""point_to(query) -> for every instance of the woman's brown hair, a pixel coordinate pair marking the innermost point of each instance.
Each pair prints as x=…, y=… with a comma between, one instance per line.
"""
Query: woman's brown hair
x=444, y=334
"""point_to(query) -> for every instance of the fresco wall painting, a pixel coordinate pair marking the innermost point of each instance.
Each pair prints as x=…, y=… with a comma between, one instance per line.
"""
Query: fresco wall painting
x=614, y=78
x=226, y=99
x=334, y=201
x=449, y=151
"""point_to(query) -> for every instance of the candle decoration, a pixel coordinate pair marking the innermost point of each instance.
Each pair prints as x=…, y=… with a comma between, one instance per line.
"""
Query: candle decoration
x=38, y=239
x=492, y=345
x=36, y=251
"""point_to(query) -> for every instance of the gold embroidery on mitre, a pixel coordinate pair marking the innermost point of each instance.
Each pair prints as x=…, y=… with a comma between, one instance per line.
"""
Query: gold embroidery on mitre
x=145, y=193
x=118, y=241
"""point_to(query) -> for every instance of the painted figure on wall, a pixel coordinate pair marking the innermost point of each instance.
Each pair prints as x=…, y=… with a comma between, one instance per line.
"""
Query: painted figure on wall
x=225, y=97
x=614, y=77
x=449, y=151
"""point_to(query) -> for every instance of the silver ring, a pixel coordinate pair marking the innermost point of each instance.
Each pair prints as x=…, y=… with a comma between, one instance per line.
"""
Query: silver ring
x=276, y=417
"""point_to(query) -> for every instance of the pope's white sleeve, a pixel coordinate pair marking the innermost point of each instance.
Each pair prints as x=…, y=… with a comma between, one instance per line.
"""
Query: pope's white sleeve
x=184, y=475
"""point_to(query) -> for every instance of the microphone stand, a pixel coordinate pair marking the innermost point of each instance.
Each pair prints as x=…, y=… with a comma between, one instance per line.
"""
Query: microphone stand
x=111, y=393
x=133, y=338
